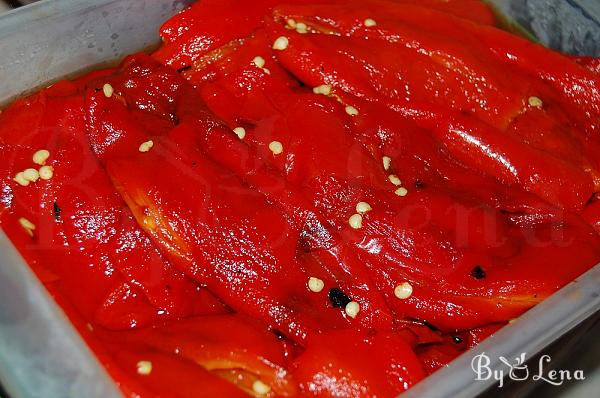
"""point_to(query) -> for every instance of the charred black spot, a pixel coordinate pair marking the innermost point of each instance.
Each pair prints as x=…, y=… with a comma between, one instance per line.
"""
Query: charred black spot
x=594, y=198
x=183, y=69
x=57, y=211
x=338, y=298
x=419, y=184
x=430, y=326
x=478, y=272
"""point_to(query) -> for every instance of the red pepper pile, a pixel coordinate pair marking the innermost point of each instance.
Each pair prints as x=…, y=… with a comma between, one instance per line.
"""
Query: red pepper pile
x=330, y=198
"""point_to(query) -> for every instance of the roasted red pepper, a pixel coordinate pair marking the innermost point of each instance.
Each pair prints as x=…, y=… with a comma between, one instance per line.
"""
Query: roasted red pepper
x=320, y=155
x=321, y=198
x=84, y=236
x=215, y=348
x=422, y=82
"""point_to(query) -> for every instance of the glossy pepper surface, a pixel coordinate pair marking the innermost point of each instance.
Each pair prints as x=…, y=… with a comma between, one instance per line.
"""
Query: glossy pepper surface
x=312, y=198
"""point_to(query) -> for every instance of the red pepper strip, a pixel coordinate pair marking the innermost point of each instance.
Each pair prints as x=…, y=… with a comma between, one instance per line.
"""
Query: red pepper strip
x=326, y=261
x=225, y=148
x=125, y=308
x=170, y=377
x=120, y=354
x=419, y=333
x=476, y=336
x=399, y=243
x=351, y=364
x=413, y=149
x=471, y=77
x=222, y=67
x=199, y=28
x=399, y=61
x=578, y=88
x=436, y=356
x=590, y=63
x=313, y=155
x=503, y=156
x=551, y=130
x=473, y=10
x=440, y=353
x=100, y=297
x=72, y=217
x=576, y=85
x=218, y=232
x=591, y=214
x=302, y=121
x=338, y=266
x=232, y=347
x=422, y=162
x=473, y=143
x=241, y=268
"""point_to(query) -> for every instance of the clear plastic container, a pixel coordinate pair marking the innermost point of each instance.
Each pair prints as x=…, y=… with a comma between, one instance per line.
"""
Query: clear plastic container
x=41, y=355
